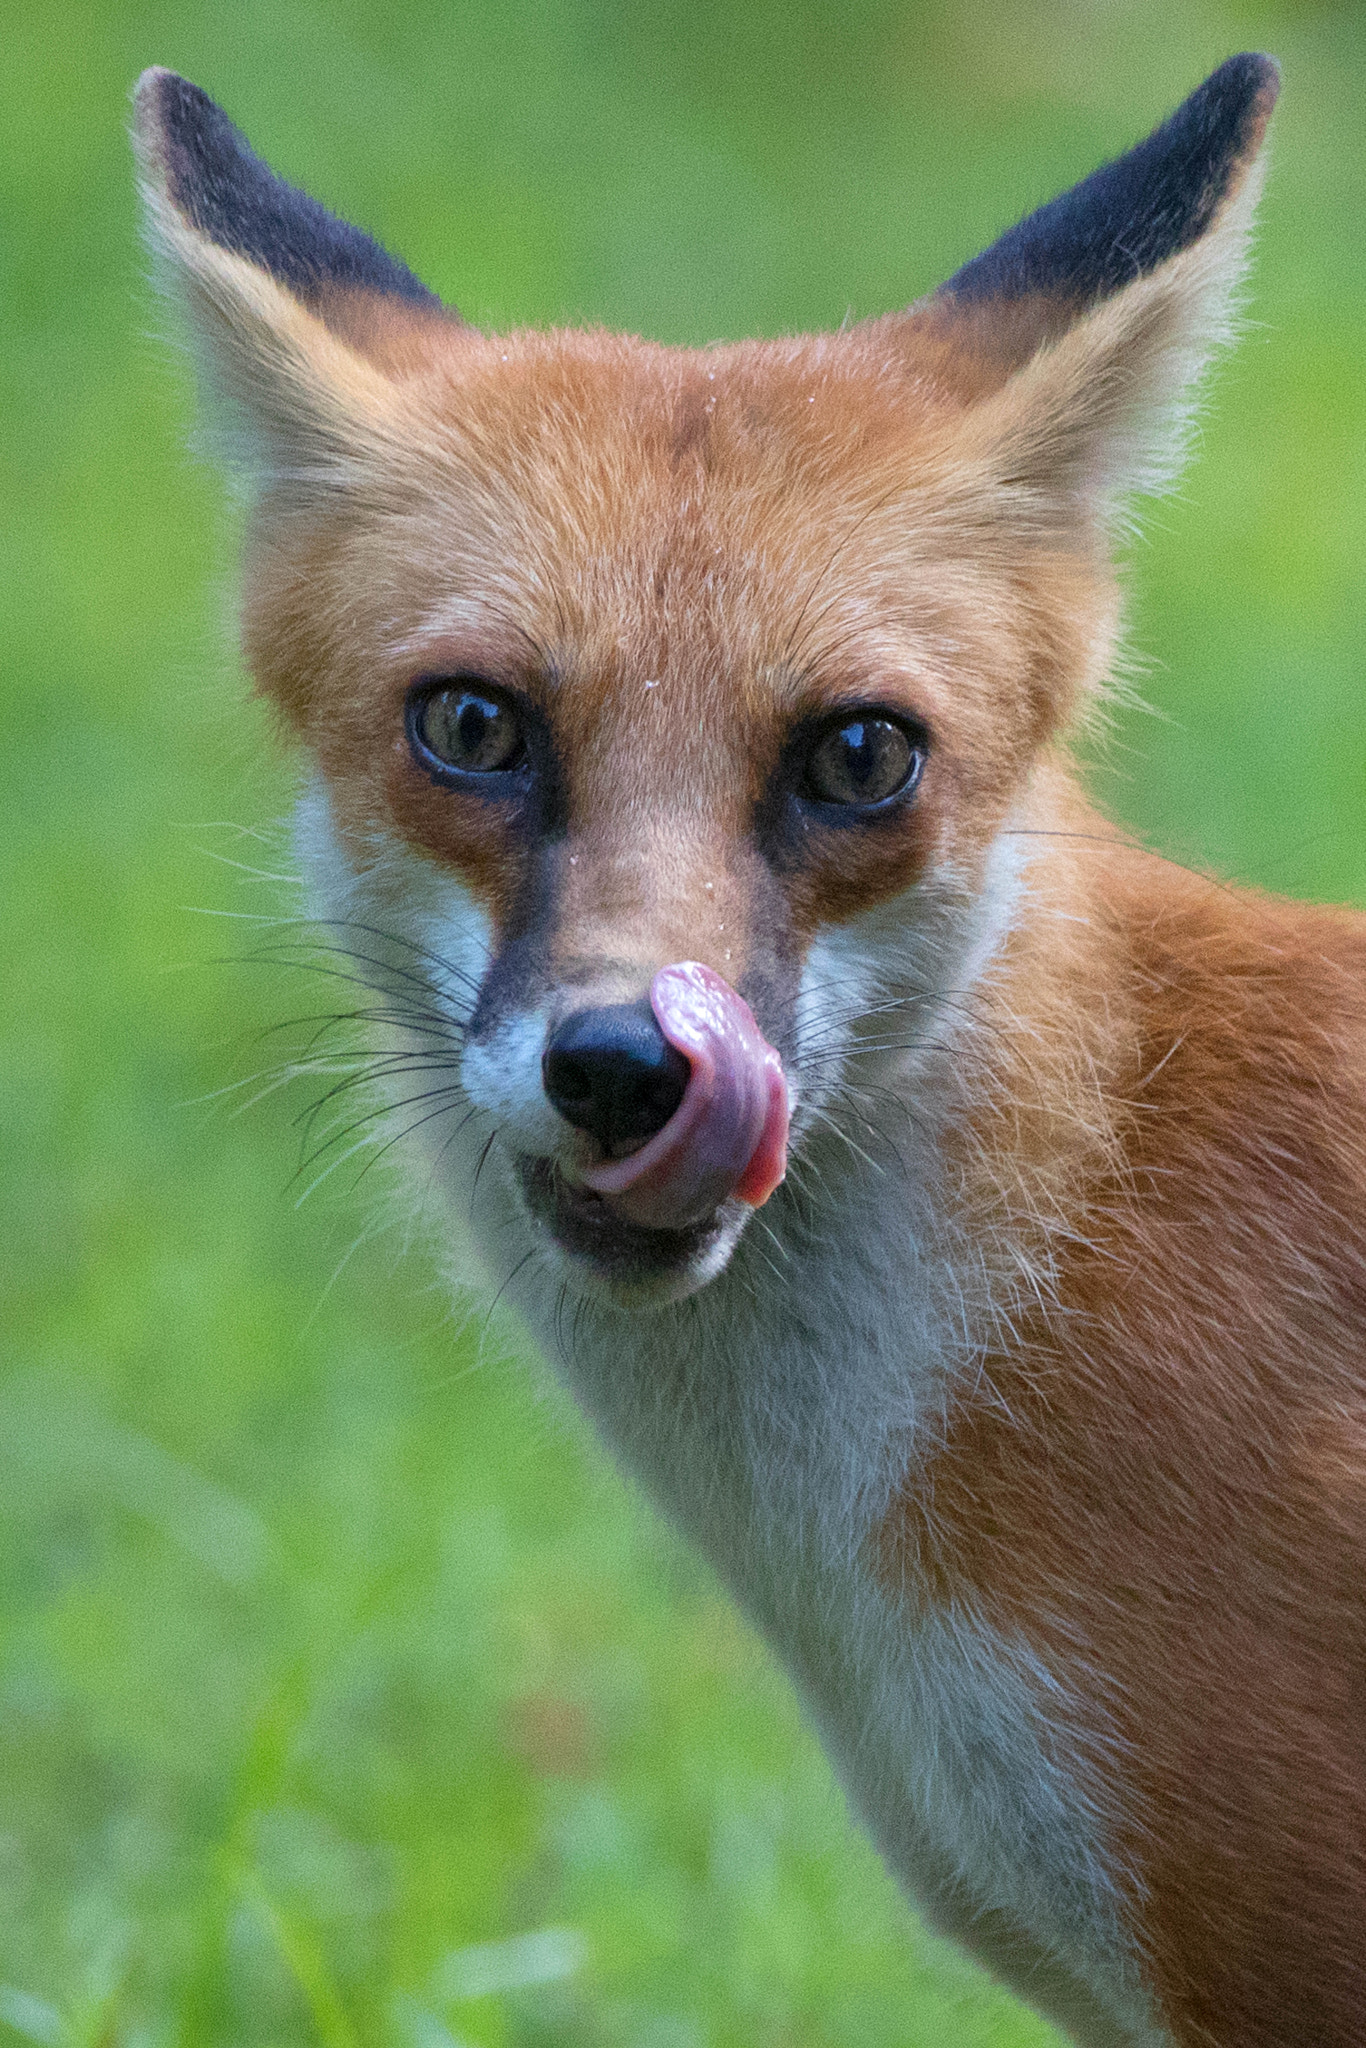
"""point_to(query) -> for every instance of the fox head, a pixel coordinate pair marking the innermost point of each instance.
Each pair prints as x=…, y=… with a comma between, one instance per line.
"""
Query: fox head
x=668, y=710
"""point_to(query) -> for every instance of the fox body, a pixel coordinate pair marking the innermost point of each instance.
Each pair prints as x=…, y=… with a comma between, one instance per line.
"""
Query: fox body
x=686, y=740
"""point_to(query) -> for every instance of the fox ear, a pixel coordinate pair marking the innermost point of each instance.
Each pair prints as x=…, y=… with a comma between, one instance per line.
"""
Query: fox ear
x=305, y=326
x=1078, y=336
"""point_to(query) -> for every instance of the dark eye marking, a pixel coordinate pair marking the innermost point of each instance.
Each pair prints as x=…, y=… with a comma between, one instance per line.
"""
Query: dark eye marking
x=861, y=759
x=463, y=727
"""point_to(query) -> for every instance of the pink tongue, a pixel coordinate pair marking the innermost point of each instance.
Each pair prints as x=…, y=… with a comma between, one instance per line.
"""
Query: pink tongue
x=728, y=1135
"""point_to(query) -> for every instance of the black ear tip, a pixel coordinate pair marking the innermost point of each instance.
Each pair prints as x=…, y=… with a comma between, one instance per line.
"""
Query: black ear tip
x=157, y=82
x=1252, y=71
x=161, y=101
x=1135, y=213
x=148, y=90
x=186, y=135
x=214, y=178
x=1245, y=86
x=176, y=124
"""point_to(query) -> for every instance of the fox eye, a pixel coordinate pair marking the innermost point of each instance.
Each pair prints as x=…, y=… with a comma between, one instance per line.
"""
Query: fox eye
x=465, y=726
x=864, y=761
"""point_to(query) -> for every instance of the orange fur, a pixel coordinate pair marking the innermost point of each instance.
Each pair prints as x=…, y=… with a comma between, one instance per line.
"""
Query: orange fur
x=1161, y=1471
x=1150, y=1112
x=670, y=532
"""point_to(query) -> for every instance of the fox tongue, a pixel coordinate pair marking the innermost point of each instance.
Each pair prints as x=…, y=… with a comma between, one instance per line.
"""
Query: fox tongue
x=728, y=1136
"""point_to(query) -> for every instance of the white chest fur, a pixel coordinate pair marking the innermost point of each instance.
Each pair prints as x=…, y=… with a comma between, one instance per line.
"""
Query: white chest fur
x=774, y=1418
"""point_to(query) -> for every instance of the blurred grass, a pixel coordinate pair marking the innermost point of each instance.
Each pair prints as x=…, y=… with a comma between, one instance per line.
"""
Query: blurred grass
x=344, y=1697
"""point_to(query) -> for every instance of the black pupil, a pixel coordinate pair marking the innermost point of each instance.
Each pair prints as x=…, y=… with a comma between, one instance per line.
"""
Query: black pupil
x=862, y=753
x=863, y=762
x=472, y=722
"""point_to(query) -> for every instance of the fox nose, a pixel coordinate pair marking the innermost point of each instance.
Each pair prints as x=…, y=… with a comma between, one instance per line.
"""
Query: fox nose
x=613, y=1073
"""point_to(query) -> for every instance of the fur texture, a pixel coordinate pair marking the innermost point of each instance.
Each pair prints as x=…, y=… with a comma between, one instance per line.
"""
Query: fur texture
x=1027, y=1419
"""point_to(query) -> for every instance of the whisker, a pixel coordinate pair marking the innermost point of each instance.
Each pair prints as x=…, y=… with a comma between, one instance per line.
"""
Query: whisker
x=479, y=1168
x=303, y=957
x=379, y=1068
x=373, y=1137
x=523, y=1261
x=225, y=860
x=1119, y=842
x=840, y=1132
x=827, y=1027
x=372, y=1116
x=429, y=1022
x=443, y=1148
x=407, y=1132
x=561, y=1301
x=366, y=1236
x=778, y=1245
x=402, y=939
x=878, y=1045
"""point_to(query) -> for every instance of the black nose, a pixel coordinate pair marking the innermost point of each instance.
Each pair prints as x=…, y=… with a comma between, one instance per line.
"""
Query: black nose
x=613, y=1072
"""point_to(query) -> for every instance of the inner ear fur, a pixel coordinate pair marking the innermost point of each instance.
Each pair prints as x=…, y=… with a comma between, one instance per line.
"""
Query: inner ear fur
x=1076, y=340
x=306, y=326
x=1103, y=413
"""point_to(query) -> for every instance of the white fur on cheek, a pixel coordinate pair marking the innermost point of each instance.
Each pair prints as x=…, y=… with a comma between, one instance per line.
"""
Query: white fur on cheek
x=410, y=928
x=411, y=922
x=503, y=1075
x=430, y=929
x=886, y=990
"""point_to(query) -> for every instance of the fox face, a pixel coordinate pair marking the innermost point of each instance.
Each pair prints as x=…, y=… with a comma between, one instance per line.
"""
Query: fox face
x=673, y=714
x=728, y=720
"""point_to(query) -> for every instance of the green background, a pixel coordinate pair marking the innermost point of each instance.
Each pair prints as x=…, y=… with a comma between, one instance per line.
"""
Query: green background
x=345, y=1696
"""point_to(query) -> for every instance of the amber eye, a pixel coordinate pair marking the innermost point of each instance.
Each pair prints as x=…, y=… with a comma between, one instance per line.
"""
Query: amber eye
x=467, y=727
x=863, y=762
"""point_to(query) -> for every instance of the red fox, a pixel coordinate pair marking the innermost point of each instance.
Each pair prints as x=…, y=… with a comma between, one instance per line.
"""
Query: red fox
x=954, y=1217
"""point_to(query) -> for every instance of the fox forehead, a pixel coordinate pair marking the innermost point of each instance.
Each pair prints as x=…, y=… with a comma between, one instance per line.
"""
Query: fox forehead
x=751, y=533
x=575, y=486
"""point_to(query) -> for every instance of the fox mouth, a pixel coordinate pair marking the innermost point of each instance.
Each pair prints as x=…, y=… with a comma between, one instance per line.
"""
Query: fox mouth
x=620, y=1255
x=658, y=1216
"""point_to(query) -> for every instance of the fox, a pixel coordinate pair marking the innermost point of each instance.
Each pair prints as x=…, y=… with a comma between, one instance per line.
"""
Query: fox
x=951, y=1214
